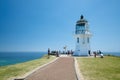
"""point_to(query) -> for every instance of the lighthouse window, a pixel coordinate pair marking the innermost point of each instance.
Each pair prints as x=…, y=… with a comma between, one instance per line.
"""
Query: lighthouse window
x=77, y=40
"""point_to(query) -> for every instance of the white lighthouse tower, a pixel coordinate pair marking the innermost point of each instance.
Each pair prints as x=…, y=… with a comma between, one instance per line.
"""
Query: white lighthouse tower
x=82, y=36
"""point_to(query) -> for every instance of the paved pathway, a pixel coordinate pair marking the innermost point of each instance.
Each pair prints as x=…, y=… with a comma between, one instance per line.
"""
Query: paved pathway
x=62, y=69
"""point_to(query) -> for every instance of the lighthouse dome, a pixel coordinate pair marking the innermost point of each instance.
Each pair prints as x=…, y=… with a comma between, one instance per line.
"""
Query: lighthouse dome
x=82, y=21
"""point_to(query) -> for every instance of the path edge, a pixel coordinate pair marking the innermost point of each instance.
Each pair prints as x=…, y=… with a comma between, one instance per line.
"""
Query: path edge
x=34, y=70
x=77, y=70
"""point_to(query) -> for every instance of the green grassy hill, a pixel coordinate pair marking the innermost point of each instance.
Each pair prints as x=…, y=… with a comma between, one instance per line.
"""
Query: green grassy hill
x=107, y=68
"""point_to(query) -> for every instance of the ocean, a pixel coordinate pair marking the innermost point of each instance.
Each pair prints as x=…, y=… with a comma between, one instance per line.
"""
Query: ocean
x=112, y=53
x=9, y=58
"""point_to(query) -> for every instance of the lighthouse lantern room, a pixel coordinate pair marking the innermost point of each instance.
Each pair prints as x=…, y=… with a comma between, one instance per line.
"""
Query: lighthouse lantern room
x=82, y=36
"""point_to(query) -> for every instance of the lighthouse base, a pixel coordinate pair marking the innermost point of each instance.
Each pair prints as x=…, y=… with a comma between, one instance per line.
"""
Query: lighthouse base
x=80, y=53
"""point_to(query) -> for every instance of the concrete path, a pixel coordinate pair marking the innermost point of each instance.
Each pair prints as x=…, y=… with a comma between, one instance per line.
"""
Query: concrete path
x=62, y=69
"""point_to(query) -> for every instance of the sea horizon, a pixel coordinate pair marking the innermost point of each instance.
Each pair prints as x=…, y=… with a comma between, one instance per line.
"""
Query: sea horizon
x=112, y=53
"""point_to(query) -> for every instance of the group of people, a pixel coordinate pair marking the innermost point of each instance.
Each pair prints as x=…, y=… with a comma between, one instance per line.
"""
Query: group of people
x=70, y=52
x=53, y=53
x=99, y=53
x=57, y=53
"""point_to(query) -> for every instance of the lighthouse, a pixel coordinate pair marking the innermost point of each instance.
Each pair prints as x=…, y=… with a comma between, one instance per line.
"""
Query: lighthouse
x=82, y=37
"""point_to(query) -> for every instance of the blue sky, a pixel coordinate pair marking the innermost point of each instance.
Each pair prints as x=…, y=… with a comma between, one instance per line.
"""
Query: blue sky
x=36, y=25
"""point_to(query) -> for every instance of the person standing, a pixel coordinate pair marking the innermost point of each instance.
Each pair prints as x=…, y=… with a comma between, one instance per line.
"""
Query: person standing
x=89, y=53
x=71, y=52
x=94, y=54
x=101, y=55
x=48, y=53
x=57, y=54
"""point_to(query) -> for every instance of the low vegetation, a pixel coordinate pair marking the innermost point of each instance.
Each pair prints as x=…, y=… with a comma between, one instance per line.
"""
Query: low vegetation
x=8, y=72
x=107, y=68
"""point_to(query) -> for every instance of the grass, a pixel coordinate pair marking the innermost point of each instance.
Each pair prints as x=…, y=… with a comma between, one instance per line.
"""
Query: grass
x=8, y=72
x=107, y=68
